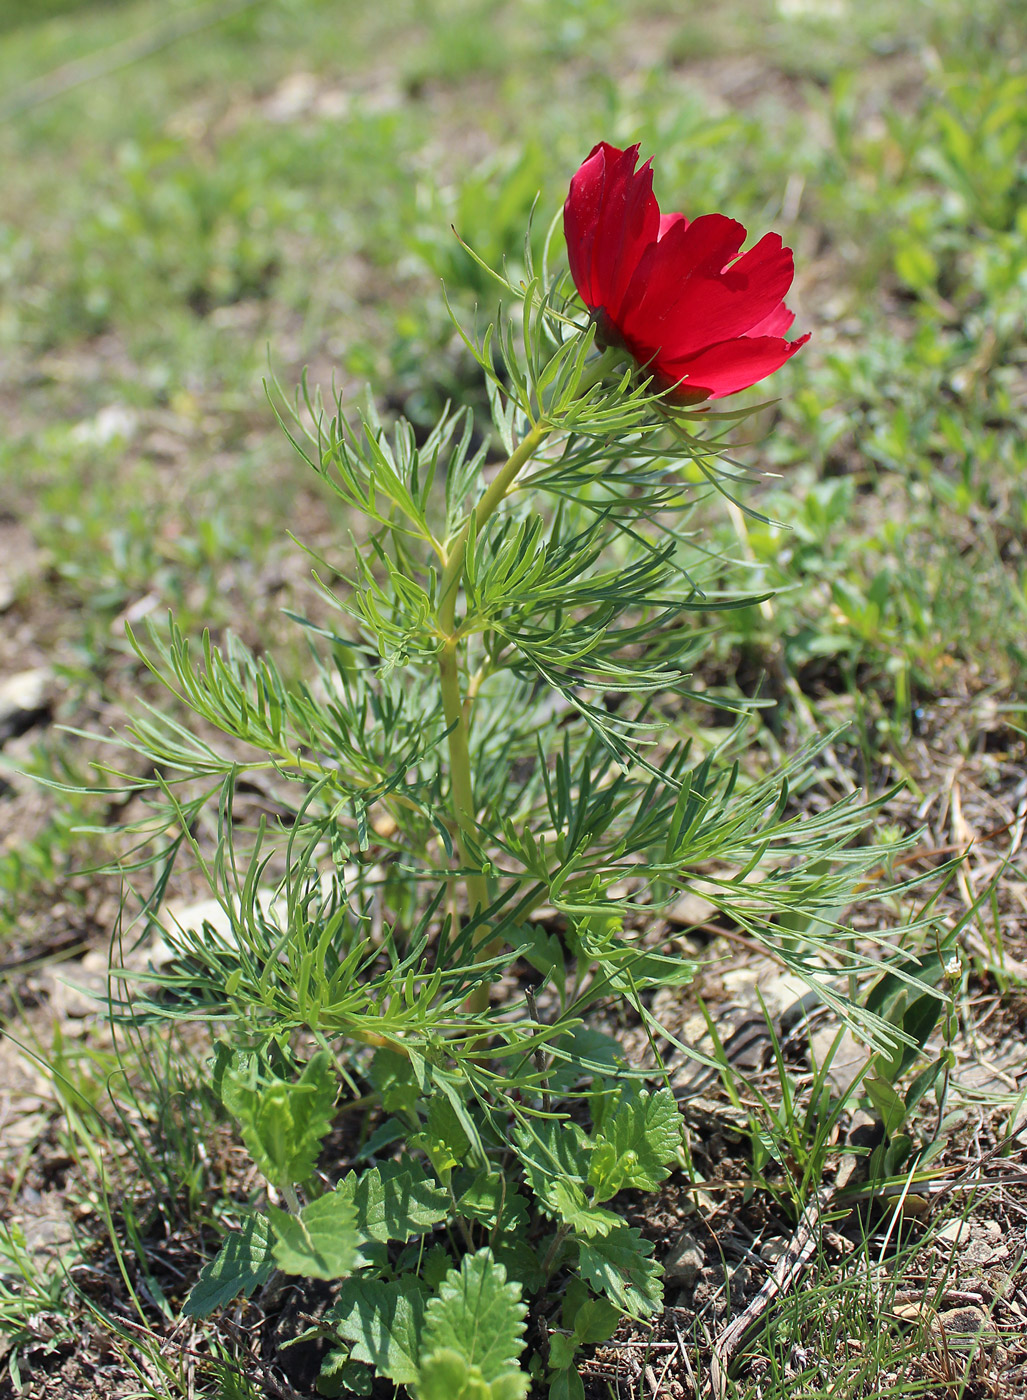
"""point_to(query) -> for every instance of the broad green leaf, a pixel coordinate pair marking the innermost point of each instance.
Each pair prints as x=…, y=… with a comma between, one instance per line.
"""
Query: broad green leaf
x=493, y=1201
x=887, y=1103
x=521, y=1260
x=283, y=1122
x=557, y=1148
x=444, y=1138
x=636, y=1144
x=553, y=1155
x=621, y=1267
x=321, y=1242
x=589, y=1053
x=391, y=1075
x=341, y=1376
x=479, y=1315
x=591, y=1319
x=924, y=1081
x=243, y=1263
x=566, y=1384
x=395, y=1201
x=561, y=1350
x=445, y=1375
x=383, y=1324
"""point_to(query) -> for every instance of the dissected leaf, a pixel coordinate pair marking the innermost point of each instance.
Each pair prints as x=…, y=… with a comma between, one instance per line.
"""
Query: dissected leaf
x=321, y=1242
x=383, y=1324
x=478, y=1315
x=621, y=1266
x=243, y=1263
x=636, y=1144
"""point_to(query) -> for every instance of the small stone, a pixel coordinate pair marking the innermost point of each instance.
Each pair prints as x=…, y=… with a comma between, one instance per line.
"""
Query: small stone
x=682, y=1265
x=25, y=698
x=698, y=1203
x=954, y=1232
x=691, y=910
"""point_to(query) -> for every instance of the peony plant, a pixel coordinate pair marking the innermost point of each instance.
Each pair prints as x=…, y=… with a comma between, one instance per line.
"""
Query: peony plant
x=489, y=785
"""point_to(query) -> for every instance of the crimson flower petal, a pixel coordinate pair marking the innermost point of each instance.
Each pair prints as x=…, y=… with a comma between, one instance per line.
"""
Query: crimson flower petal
x=675, y=294
x=610, y=218
x=733, y=365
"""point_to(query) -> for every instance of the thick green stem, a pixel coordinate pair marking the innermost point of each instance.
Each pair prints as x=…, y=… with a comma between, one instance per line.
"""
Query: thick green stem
x=461, y=784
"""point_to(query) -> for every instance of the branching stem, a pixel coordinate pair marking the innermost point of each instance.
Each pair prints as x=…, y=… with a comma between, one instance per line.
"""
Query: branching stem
x=461, y=786
x=455, y=708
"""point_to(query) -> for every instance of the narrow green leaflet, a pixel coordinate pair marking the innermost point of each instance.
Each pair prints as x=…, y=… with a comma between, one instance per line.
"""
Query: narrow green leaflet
x=621, y=1266
x=395, y=1201
x=383, y=1324
x=478, y=1315
x=243, y=1263
x=321, y=1242
x=636, y=1144
x=445, y=1375
x=283, y=1122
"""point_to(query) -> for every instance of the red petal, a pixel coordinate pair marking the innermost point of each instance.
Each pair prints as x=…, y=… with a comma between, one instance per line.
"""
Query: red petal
x=777, y=323
x=610, y=218
x=669, y=221
x=581, y=216
x=664, y=276
x=733, y=365
x=709, y=309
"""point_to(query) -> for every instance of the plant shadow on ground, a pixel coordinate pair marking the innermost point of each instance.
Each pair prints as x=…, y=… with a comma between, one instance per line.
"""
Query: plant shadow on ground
x=193, y=218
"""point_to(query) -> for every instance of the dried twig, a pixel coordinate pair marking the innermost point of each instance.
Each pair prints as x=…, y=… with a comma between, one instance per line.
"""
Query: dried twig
x=791, y=1264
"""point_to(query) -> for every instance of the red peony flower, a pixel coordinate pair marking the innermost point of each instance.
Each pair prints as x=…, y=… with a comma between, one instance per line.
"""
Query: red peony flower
x=702, y=320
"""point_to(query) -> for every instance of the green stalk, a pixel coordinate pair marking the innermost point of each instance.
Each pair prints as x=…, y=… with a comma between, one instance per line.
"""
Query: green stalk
x=461, y=785
x=457, y=715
